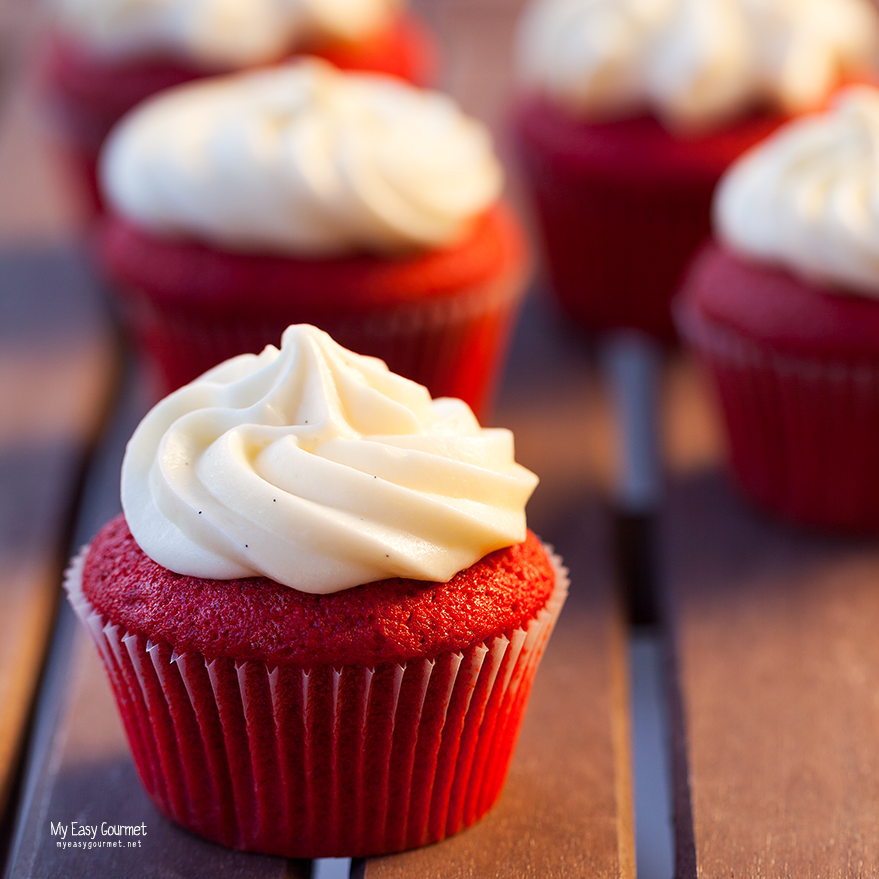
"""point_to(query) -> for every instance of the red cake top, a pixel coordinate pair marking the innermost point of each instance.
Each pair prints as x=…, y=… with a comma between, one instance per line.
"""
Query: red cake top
x=777, y=309
x=638, y=150
x=192, y=274
x=256, y=618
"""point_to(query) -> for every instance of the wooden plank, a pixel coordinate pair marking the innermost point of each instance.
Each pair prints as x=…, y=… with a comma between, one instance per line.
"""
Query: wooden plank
x=56, y=370
x=776, y=718
x=690, y=433
x=42, y=203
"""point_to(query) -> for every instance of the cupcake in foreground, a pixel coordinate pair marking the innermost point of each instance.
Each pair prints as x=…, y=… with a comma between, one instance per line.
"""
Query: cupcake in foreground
x=353, y=202
x=629, y=112
x=783, y=310
x=321, y=611
x=106, y=56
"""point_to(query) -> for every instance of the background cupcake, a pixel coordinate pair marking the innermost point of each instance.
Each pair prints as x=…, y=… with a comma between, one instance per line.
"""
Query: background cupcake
x=354, y=202
x=783, y=310
x=105, y=56
x=323, y=624
x=629, y=112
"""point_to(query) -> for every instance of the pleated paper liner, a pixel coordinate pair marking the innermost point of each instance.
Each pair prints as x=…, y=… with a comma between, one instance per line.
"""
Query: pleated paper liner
x=321, y=762
x=802, y=433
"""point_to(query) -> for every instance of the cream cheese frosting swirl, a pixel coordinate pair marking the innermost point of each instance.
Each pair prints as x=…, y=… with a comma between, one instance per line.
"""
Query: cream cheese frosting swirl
x=695, y=63
x=303, y=160
x=320, y=469
x=807, y=198
x=219, y=33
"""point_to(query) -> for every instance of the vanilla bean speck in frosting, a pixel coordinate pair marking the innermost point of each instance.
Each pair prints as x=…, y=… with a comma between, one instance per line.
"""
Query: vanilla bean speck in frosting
x=219, y=33
x=695, y=63
x=303, y=160
x=320, y=469
x=807, y=198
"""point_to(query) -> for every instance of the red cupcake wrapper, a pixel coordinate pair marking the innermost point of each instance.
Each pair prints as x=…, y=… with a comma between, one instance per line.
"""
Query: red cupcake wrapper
x=456, y=345
x=321, y=762
x=802, y=432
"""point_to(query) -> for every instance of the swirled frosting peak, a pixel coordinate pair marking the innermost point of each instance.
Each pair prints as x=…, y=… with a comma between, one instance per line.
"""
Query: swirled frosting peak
x=303, y=160
x=695, y=63
x=321, y=469
x=219, y=33
x=807, y=198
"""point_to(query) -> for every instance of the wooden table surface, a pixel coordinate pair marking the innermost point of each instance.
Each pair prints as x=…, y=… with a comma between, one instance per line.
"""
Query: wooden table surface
x=765, y=632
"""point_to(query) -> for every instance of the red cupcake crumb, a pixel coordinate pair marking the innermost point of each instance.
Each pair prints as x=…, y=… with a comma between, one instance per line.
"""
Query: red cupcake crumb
x=770, y=306
x=258, y=619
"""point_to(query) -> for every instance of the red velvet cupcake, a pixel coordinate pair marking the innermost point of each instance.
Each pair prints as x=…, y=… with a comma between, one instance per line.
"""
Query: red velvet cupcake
x=104, y=58
x=315, y=717
x=784, y=314
x=626, y=120
x=391, y=238
x=622, y=206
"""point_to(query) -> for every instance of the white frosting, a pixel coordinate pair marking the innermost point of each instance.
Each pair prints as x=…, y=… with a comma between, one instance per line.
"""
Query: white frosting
x=695, y=63
x=219, y=33
x=321, y=469
x=807, y=198
x=303, y=160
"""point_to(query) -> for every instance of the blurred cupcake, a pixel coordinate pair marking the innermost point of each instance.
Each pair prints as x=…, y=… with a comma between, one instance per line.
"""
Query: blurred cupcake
x=354, y=202
x=783, y=310
x=321, y=612
x=105, y=56
x=629, y=112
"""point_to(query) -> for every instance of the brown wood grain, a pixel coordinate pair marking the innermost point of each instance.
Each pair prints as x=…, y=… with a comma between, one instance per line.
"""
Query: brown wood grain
x=773, y=630
x=56, y=371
